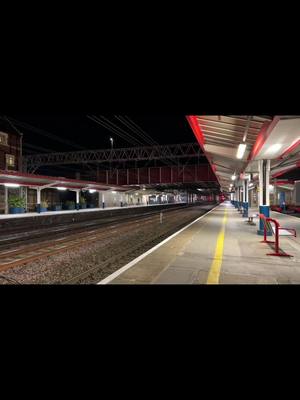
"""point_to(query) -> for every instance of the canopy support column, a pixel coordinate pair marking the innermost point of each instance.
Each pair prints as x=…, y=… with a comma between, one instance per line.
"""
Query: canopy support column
x=264, y=195
x=38, y=200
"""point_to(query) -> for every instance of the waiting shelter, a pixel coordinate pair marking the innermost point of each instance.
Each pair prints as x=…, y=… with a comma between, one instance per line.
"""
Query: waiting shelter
x=32, y=190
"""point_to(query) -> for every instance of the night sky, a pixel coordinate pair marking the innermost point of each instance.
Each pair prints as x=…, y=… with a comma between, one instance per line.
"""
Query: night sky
x=78, y=132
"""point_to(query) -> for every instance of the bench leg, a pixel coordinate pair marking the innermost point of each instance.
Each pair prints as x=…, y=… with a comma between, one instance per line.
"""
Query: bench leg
x=279, y=254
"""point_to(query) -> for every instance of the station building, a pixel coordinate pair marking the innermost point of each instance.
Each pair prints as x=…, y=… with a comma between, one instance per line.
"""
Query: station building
x=39, y=193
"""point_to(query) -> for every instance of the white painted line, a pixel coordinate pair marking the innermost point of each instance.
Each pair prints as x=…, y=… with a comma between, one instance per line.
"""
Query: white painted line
x=139, y=258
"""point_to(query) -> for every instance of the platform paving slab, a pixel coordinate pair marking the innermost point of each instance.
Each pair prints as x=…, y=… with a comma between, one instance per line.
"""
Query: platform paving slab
x=187, y=258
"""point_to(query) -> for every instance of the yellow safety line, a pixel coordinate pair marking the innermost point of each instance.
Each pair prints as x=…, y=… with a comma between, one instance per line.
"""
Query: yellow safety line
x=215, y=268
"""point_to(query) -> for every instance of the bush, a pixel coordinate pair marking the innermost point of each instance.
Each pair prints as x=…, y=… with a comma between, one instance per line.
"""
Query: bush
x=44, y=204
x=82, y=200
x=16, y=202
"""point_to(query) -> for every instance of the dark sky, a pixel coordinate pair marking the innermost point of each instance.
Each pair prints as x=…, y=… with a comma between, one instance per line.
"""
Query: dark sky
x=79, y=132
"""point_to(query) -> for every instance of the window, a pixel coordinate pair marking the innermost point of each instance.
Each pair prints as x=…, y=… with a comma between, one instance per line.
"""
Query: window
x=10, y=160
x=3, y=138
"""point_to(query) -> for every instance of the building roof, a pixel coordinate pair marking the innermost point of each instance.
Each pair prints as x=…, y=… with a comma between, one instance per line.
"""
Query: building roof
x=276, y=139
x=34, y=181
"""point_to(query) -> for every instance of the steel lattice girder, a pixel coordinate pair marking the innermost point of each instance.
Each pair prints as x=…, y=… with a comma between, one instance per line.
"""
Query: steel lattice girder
x=161, y=152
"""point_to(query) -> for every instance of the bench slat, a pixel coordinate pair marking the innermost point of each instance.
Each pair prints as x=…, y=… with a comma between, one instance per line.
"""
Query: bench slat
x=284, y=232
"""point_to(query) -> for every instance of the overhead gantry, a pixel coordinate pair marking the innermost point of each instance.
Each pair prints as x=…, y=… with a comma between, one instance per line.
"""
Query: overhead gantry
x=167, y=153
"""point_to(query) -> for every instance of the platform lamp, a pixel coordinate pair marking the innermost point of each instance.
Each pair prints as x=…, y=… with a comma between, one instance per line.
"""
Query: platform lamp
x=241, y=150
x=242, y=146
x=112, y=146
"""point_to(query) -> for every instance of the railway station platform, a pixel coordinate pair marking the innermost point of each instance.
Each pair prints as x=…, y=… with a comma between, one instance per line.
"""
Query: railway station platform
x=218, y=248
x=87, y=210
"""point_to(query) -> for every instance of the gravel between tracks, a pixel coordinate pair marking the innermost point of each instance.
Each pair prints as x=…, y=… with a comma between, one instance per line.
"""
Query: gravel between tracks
x=59, y=268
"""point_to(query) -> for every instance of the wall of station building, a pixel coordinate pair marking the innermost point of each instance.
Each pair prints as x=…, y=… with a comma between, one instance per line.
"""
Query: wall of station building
x=10, y=151
x=276, y=194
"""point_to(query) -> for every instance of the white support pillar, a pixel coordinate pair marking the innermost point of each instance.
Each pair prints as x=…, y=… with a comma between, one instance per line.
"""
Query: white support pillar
x=245, y=198
x=235, y=196
x=77, y=199
x=264, y=181
x=103, y=200
x=264, y=195
x=245, y=191
x=38, y=200
x=77, y=191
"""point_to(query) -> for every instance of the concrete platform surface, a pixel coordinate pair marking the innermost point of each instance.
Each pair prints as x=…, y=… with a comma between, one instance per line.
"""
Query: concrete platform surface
x=220, y=248
x=86, y=210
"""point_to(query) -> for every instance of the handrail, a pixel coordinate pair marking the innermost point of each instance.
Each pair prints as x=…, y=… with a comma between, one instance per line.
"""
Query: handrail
x=264, y=218
x=277, y=228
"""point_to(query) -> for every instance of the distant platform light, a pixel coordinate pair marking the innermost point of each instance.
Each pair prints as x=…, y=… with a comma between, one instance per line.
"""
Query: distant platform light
x=92, y=190
x=11, y=185
x=61, y=188
x=233, y=177
x=114, y=192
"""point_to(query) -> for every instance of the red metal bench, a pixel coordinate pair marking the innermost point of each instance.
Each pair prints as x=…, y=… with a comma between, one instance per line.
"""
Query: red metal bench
x=276, y=208
x=277, y=231
x=296, y=209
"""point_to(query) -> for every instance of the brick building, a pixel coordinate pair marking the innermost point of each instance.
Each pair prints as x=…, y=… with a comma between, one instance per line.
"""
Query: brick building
x=10, y=148
x=10, y=156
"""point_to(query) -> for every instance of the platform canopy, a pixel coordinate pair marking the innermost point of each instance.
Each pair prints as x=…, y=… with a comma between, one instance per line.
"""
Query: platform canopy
x=31, y=180
x=264, y=137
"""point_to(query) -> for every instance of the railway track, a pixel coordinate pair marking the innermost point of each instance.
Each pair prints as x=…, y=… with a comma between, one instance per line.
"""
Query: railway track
x=117, y=260
x=94, y=274
x=16, y=239
x=28, y=252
